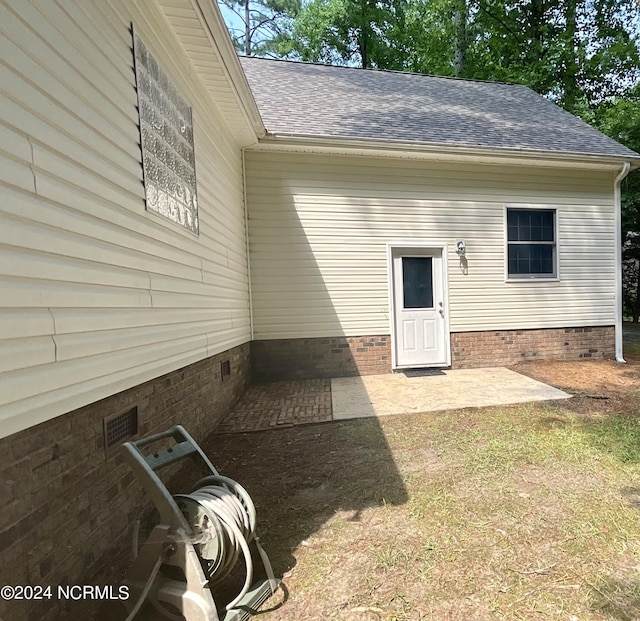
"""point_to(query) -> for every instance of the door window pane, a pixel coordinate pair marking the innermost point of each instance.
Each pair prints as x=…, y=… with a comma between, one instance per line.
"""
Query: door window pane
x=417, y=282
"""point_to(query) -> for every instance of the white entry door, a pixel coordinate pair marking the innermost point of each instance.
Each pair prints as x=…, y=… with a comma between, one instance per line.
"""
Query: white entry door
x=419, y=313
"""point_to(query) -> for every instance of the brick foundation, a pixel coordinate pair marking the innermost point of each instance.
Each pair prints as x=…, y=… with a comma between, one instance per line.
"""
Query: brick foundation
x=287, y=359
x=506, y=347
x=339, y=356
x=67, y=508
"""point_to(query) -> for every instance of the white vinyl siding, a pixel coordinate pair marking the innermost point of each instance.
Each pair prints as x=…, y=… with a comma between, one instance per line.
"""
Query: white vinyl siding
x=319, y=225
x=96, y=294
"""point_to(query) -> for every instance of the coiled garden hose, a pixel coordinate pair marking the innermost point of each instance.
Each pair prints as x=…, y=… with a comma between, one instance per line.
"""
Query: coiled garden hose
x=222, y=517
x=203, y=533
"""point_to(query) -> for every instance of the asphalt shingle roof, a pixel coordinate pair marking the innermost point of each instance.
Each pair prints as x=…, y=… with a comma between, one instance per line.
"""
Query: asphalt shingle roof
x=342, y=102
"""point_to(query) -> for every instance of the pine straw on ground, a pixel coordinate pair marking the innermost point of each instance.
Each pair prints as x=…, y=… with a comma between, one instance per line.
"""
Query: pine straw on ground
x=522, y=512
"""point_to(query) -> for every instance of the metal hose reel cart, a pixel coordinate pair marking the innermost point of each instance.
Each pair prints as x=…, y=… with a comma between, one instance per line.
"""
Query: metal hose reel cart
x=201, y=536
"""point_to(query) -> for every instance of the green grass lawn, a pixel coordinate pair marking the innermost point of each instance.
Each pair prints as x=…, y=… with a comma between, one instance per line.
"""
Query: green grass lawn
x=521, y=512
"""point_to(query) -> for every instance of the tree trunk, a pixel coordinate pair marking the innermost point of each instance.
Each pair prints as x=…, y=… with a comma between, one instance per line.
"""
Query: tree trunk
x=636, y=304
x=364, y=34
x=460, y=21
x=571, y=73
x=536, y=23
x=247, y=29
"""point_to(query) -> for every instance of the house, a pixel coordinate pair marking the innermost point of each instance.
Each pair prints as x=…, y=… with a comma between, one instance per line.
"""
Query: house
x=363, y=188
x=175, y=221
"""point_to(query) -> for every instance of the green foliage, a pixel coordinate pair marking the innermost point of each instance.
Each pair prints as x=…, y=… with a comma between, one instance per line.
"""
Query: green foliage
x=351, y=32
x=429, y=37
x=619, y=117
x=577, y=51
x=261, y=27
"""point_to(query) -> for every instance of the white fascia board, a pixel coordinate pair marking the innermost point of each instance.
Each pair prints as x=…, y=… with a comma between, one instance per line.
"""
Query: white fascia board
x=444, y=152
x=213, y=23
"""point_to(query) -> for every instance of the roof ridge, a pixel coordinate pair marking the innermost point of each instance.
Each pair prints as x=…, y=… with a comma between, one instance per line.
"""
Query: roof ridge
x=378, y=70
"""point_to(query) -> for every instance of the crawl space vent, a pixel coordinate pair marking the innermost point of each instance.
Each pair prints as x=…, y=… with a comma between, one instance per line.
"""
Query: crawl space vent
x=225, y=369
x=120, y=427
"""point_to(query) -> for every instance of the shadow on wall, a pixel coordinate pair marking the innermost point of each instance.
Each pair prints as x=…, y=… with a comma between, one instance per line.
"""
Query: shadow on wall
x=318, y=234
x=323, y=357
x=314, y=316
x=302, y=478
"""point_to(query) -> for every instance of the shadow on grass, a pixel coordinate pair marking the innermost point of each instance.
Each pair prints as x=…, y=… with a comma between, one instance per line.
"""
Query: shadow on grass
x=616, y=435
x=632, y=496
x=632, y=351
x=617, y=599
x=300, y=477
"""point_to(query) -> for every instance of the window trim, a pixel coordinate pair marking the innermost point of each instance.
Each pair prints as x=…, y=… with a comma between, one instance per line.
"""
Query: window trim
x=537, y=278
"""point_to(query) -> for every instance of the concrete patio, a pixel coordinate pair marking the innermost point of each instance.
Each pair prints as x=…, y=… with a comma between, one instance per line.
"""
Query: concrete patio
x=284, y=404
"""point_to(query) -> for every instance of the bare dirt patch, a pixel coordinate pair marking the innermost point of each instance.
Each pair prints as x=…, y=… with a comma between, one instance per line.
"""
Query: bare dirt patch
x=597, y=385
x=590, y=376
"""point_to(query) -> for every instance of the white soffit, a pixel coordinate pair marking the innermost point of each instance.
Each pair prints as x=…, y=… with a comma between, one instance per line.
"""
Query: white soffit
x=200, y=29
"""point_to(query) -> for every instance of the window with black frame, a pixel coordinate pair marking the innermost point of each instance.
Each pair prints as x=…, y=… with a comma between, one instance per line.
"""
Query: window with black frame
x=531, y=243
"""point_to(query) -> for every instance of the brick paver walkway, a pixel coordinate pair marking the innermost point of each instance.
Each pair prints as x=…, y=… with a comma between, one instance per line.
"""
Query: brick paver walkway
x=280, y=404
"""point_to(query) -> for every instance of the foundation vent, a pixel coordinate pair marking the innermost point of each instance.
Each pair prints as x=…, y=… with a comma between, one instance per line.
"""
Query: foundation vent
x=120, y=427
x=225, y=369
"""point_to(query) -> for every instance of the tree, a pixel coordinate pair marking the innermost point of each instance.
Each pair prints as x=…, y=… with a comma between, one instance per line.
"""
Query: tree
x=460, y=23
x=363, y=33
x=619, y=117
x=579, y=52
x=260, y=27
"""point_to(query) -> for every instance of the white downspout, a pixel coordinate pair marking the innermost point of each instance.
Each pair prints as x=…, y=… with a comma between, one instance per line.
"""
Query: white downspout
x=618, y=209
